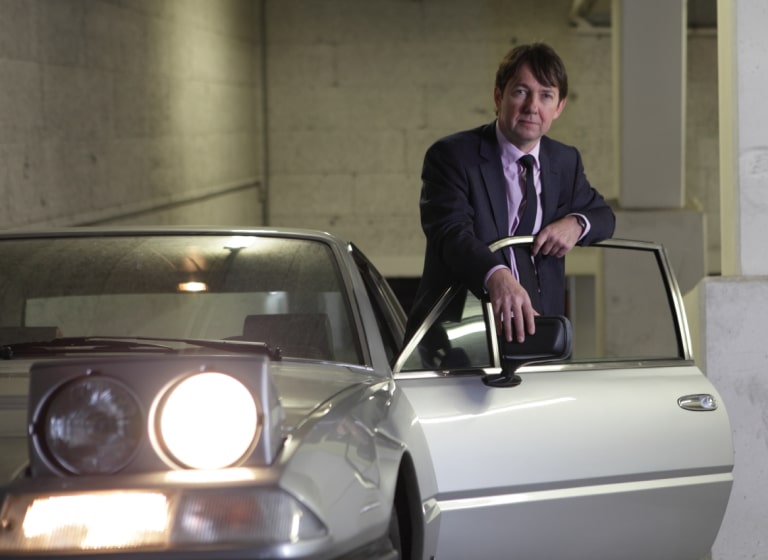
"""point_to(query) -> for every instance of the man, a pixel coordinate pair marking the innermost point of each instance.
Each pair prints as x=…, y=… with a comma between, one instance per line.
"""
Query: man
x=473, y=194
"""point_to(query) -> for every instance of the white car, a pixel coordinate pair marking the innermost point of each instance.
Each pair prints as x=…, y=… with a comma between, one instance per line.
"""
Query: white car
x=237, y=394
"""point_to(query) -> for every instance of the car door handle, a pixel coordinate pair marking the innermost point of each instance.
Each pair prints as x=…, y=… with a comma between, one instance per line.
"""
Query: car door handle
x=698, y=402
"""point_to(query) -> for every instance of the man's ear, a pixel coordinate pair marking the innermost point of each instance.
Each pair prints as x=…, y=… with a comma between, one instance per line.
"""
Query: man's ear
x=497, y=98
x=560, y=107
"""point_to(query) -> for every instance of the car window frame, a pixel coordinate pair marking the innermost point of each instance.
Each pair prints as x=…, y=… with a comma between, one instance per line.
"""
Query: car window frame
x=385, y=305
x=669, y=281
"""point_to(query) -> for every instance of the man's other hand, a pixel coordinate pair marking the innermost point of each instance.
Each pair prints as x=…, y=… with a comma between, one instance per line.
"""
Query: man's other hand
x=510, y=303
x=557, y=238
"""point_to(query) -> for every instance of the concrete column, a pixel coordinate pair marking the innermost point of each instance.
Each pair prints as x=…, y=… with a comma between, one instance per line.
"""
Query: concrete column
x=742, y=46
x=649, y=70
x=650, y=62
x=734, y=307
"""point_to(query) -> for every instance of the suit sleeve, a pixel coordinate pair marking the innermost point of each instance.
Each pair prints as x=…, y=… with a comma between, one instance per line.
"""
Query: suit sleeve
x=451, y=207
x=589, y=202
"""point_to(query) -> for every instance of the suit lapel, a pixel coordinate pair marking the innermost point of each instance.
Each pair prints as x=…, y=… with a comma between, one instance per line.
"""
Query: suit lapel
x=550, y=181
x=493, y=178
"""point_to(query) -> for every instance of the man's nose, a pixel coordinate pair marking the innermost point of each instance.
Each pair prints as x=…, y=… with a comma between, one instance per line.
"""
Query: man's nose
x=531, y=104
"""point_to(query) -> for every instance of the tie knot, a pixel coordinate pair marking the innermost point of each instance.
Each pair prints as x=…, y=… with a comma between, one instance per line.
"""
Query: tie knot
x=527, y=161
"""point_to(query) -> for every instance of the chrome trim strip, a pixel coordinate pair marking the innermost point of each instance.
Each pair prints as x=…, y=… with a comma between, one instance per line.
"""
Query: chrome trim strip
x=495, y=350
x=511, y=242
x=677, y=304
x=578, y=491
x=597, y=365
x=433, y=374
x=413, y=342
x=575, y=368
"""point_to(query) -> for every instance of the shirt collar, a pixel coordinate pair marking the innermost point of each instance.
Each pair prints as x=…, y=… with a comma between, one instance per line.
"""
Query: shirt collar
x=511, y=153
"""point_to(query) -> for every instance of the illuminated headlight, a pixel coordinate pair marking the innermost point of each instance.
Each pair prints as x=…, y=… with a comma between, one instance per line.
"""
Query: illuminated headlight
x=92, y=425
x=207, y=421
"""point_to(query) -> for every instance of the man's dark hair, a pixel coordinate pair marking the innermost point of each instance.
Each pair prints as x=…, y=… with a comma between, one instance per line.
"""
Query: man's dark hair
x=545, y=64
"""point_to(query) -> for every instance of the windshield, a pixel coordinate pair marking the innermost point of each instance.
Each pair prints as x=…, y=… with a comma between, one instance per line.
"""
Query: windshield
x=286, y=292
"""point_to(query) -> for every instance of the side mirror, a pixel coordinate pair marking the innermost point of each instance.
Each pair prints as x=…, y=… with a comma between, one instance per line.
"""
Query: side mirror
x=553, y=341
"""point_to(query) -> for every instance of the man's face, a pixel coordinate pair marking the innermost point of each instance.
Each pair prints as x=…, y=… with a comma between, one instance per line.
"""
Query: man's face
x=526, y=109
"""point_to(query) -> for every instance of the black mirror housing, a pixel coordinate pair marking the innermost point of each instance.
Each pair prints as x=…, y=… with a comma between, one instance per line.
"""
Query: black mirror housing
x=552, y=342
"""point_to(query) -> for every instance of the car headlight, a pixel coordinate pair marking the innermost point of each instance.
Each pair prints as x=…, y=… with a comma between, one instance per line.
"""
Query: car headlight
x=207, y=421
x=92, y=425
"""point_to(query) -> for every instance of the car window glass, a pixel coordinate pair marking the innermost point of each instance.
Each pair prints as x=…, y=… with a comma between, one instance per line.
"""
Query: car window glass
x=457, y=340
x=283, y=291
x=618, y=299
x=619, y=305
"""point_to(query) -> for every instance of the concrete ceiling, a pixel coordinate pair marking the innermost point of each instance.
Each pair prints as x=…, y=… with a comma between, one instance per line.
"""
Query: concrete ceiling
x=702, y=14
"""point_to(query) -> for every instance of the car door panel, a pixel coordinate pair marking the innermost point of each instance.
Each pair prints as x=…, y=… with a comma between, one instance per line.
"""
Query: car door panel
x=631, y=521
x=595, y=458
x=609, y=448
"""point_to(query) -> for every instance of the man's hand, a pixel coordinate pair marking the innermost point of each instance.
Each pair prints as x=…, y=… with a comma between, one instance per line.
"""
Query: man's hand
x=557, y=238
x=510, y=303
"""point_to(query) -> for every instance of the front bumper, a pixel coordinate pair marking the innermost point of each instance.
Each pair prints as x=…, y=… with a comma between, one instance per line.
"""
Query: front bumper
x=229, y=520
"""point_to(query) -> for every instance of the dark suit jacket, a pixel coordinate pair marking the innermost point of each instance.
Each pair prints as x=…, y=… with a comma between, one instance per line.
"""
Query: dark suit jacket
x=464, y=208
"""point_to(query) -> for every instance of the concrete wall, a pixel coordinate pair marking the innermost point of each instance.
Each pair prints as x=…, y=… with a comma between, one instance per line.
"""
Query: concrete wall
x=150, y=111
x=129, y=111
x=358, y=91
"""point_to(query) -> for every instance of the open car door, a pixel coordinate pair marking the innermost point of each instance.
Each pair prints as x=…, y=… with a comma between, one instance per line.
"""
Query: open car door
x=622, y=451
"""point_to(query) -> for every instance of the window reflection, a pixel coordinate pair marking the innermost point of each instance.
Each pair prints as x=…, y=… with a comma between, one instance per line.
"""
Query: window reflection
x=619, y=302
x=457, y=340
